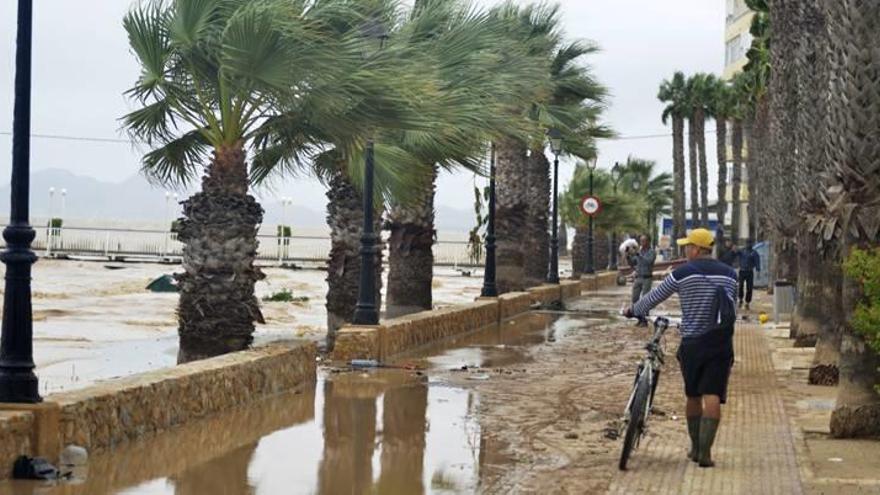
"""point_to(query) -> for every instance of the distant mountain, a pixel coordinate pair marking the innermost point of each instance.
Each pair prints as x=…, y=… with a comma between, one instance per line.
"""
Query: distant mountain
x=92, y=202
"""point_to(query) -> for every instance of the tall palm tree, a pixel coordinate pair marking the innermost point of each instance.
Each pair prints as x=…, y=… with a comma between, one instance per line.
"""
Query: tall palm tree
x=701, y=87
x=573, y=107
x=655, y=188
x=853, y=213
x=751, y=89
x=721, y=108
x=481, y=75
x=673, y=93
x=218, y=77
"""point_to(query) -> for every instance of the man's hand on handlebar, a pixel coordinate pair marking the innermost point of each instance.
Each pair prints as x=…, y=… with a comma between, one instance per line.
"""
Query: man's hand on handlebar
x=628, y=312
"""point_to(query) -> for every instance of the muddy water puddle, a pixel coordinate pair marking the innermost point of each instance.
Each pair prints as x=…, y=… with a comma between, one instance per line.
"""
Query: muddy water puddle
x=384, y=431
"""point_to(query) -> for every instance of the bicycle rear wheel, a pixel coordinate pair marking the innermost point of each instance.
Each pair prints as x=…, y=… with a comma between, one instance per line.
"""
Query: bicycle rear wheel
x=636, y=421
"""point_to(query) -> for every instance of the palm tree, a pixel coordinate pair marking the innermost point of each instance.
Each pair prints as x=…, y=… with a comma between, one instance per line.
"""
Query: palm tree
x=853, y=128
x=624, y=210
x=701, y=87
x=656, y=189
x=721, y=107
x=751, y=89
x=480, y=75
x=215, y=77
x=673, y=92
x=574, y=107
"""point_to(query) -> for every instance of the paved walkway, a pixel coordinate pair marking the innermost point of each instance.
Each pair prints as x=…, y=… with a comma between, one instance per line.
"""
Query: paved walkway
x=755, y=451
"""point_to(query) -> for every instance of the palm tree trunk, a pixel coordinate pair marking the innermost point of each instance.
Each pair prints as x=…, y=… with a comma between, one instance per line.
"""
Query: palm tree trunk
x=410, y=254
x=563, y=238
x=704, y=168
x=693, y=168
x=736, y=189
x=854, y=127
x=579, y=251
x=721, y=155
x=345, y=216
x=678, y=200
x=824, y=370
x=783, y=120
x=510, y=215
x=758, y=149
x=811, y=135
x=217, y=307
x=536, y=241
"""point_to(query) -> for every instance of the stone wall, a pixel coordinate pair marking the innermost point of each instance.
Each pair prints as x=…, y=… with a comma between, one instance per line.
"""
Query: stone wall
x=110, y=413
x=15, y=438
x=399, y=335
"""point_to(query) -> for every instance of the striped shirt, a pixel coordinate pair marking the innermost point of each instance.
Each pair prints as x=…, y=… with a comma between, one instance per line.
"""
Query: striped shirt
x=695, y=283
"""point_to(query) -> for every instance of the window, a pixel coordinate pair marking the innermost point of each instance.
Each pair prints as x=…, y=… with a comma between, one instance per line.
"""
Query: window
x=732, y=50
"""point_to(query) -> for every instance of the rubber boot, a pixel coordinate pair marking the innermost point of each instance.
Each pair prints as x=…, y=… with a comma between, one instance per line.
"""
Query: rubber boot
x=708, y=428
x=694, y=432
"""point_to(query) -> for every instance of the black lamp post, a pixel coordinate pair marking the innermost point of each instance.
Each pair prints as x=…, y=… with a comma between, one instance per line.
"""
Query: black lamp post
x=18, y=383
x=490, y=289
x=366, y=312
x=616, y=175
x=591, y=165
x=555, y=138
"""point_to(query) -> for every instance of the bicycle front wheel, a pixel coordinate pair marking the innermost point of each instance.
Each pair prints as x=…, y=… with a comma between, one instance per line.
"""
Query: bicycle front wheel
x=636, y=420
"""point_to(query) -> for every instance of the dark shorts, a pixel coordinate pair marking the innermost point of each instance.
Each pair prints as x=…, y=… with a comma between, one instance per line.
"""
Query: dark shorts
x=705, y=367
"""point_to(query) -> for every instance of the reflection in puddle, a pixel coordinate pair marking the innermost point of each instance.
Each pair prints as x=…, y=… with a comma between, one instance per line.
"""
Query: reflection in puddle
x=385, y=431
x=380, y=432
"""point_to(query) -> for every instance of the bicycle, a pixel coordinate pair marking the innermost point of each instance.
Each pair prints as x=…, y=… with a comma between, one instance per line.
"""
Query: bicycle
x=638, y=408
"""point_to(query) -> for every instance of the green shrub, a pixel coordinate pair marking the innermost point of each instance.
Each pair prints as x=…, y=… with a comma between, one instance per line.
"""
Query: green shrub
x=56, y=223
x=864, y=265
x=285, y=295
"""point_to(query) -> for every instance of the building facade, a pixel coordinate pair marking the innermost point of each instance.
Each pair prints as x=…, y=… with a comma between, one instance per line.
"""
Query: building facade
x=737, y=38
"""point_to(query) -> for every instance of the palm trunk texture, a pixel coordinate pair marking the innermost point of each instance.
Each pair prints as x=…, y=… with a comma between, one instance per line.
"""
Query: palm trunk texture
x=217, y=307
x=345, y=216
x=736, y=189
x=536, y=239
x=510, y=215
x=411, y=255
x=693, y=168
x=704, y=168
x=579, y=252
x=721, y=155
x=678, y=200
x=854, y=128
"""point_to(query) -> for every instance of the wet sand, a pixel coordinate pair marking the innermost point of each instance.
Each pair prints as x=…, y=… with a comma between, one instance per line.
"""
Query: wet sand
x=96, y=320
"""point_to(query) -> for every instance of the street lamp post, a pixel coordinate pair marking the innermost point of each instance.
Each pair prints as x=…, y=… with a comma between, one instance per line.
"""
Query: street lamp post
x=18, y=383
x=282, y=231
x=366, y=312
x=490, y=289
x=616, y=175
x=591, y=165
x=555, y=138
x=50, y=232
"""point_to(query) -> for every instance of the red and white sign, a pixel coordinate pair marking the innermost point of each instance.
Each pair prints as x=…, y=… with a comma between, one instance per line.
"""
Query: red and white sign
x=591, y=206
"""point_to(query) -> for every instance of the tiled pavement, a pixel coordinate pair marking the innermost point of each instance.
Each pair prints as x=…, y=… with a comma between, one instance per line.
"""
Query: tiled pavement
x=755, y=451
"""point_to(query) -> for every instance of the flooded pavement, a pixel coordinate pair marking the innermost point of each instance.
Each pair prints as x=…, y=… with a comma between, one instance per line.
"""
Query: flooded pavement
x=385, y=431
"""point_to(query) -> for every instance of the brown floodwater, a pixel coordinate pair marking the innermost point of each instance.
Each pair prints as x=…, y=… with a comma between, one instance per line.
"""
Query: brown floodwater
x=381, y=431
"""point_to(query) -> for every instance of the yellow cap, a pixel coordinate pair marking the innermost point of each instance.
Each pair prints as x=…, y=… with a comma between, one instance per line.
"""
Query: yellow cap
x=698, y=237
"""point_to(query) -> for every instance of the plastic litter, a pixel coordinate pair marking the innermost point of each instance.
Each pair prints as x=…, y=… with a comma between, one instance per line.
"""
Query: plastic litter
x=33, y=468
x=73, y=456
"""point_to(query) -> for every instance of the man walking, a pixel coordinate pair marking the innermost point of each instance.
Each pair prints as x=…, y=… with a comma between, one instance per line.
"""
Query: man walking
x=707, y=291
x=643, y=266
x=749, y=262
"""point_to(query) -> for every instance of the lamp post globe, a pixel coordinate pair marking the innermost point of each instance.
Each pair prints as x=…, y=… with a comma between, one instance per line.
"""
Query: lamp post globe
x=555, y=138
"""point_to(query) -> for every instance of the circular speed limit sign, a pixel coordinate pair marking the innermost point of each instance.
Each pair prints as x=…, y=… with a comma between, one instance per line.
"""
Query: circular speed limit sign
x=591, y=206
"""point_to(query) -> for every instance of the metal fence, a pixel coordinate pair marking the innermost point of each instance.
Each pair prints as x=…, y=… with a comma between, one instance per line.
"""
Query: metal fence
x=120, y=243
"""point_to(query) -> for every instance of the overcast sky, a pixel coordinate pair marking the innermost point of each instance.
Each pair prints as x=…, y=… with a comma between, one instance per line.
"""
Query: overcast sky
x=82, y=65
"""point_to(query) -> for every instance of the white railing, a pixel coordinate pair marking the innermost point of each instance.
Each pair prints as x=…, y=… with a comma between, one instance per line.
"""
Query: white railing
x=120, y=243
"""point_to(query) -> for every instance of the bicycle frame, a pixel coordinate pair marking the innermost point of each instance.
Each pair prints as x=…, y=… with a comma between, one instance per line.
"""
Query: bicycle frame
x=649, y=368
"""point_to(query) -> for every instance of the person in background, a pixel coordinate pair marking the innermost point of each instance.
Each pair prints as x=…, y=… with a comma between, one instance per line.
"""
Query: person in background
x=728, y=253
x=749, y=262
x=643, y=265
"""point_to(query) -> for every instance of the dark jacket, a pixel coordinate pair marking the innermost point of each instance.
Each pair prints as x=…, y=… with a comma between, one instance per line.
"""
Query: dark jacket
x=728, y=256
x=749, y=260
